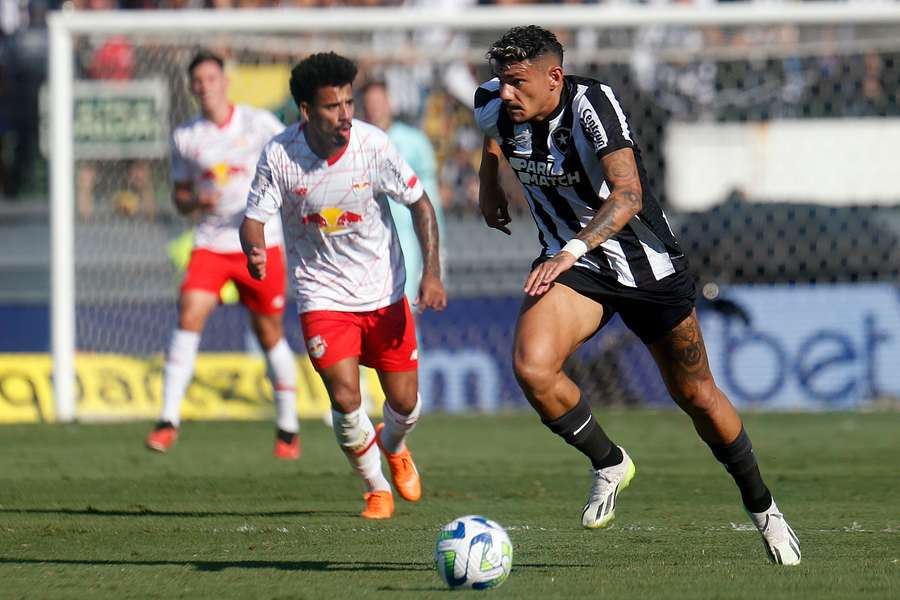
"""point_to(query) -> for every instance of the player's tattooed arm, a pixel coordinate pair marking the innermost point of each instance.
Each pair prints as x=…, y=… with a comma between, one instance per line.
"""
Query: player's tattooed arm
x=425, y=223
x=623, y=203
x=431, y=290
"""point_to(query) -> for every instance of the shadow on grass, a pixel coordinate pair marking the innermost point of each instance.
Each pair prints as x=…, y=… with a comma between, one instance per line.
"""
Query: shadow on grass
x=281, y=565
x=221, y=565
x=141, y=511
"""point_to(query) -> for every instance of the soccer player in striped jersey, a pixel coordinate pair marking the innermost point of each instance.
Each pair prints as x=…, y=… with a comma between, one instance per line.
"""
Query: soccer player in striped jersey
x=607, y=248
x=328, y=181
x=213, y=159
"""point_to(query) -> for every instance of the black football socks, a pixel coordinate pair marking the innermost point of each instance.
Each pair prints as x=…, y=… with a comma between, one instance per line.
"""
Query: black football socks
x=740, y=462
x=580, y=429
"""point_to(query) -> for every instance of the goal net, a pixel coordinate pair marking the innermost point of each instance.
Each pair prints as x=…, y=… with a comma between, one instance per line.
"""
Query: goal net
x=769, y=134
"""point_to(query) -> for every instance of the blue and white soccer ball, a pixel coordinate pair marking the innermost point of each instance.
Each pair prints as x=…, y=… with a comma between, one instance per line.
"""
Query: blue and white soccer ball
x=473, y=552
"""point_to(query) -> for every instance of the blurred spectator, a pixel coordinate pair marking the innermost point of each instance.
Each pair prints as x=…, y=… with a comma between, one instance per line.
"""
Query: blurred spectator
x=112, y=58
x=23, y=68
x=416, y=149
x=459, y=174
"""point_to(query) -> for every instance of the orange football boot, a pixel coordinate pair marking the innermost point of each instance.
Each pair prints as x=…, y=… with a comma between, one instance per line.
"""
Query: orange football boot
x=287, y=445
x=163, y=437
x=379, y=505
x=404, y=475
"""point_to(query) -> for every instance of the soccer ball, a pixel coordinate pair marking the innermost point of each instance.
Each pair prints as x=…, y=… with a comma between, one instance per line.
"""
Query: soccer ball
x=473, y=552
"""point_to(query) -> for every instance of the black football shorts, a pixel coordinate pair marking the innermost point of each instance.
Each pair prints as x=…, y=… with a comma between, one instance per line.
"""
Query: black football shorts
x=650, y=311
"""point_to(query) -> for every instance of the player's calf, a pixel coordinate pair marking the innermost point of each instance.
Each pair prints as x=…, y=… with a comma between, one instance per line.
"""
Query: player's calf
x=356, y=436
x=610, y=464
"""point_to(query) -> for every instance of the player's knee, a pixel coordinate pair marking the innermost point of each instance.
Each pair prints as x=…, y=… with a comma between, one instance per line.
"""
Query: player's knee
x=191, y=319
x=345, y=399
x=269, y=334
x=699, y=397
x=535, y=369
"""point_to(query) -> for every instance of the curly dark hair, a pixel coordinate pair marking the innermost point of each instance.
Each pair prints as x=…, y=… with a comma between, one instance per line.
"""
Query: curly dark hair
x=320, y=70
x=524, y=43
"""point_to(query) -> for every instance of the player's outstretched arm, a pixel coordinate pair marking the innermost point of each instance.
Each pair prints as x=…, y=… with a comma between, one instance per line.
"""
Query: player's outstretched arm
x=491, y=199
x=623, y=203
x=431, y=289
x=253, y=242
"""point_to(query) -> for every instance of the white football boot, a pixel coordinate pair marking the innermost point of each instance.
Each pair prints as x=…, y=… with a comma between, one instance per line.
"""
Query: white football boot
x=779, y=539
x=600, y=509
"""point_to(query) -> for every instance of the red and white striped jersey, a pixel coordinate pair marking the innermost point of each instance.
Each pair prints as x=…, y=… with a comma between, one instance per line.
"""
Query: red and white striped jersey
x=341, y=243
x=222, y=159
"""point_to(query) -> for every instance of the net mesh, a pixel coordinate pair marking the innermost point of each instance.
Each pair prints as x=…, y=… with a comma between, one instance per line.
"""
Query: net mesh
x=130, y=244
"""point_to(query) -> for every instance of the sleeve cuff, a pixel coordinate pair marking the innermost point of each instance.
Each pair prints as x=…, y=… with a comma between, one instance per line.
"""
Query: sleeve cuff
x=257, y=214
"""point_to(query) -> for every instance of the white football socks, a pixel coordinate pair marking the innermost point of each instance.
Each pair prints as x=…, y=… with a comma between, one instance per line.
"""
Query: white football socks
x=178, y=372
x=397, y=426
x=356, y=436
x=282, y=373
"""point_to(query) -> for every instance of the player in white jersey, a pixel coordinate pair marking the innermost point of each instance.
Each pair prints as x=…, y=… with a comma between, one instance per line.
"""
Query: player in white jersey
x=213, y=159
x=329, y=178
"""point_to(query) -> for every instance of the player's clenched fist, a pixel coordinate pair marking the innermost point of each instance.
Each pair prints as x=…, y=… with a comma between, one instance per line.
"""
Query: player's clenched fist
x=256, y=263
x=431, y=293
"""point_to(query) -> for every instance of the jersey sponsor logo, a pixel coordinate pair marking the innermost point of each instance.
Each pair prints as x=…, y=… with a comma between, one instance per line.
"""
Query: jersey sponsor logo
x=221, y=173
x=395, y=173
x=561, y=137
x=594, y=130
x=316, y=346
x=333, y=221
x=300, y=191
x=534, y=172
x=261, y=183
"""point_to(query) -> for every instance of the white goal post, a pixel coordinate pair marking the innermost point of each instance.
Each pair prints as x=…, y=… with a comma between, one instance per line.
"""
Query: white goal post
x=66, y=25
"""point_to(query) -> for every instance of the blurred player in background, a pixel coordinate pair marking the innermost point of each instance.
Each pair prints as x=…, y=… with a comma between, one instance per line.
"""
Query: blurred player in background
x=213, y=159
x=607, y=248
x=329, y=178
x=415, y=148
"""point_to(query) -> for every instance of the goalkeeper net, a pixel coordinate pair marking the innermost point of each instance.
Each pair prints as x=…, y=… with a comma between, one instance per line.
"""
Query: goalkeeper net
x=768, y=134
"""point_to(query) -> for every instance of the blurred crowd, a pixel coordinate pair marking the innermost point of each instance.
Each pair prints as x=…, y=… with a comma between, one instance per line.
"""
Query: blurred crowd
x=661, y=72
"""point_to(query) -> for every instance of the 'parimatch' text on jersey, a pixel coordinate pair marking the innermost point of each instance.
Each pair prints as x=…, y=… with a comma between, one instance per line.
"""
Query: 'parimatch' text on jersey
x=221, y=159
x=341, y=243
x=558, y=163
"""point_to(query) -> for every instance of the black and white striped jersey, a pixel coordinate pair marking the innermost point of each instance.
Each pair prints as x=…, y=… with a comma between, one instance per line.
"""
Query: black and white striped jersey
x=558, y=163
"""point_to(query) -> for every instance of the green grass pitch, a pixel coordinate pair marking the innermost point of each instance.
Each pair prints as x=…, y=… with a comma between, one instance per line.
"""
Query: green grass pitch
x=86, y=512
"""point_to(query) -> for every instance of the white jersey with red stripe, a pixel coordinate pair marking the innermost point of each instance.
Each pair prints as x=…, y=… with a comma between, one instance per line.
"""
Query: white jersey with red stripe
x=341, y=242
x=221, y=159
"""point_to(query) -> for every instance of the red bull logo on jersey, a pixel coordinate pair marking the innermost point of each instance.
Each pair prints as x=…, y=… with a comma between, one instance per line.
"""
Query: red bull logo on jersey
x=532, y=172
x=333, y=220
x=221, y=173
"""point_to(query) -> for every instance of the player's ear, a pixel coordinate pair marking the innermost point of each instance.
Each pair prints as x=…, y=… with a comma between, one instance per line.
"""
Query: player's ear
x=304, y=110
x=555, y=74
